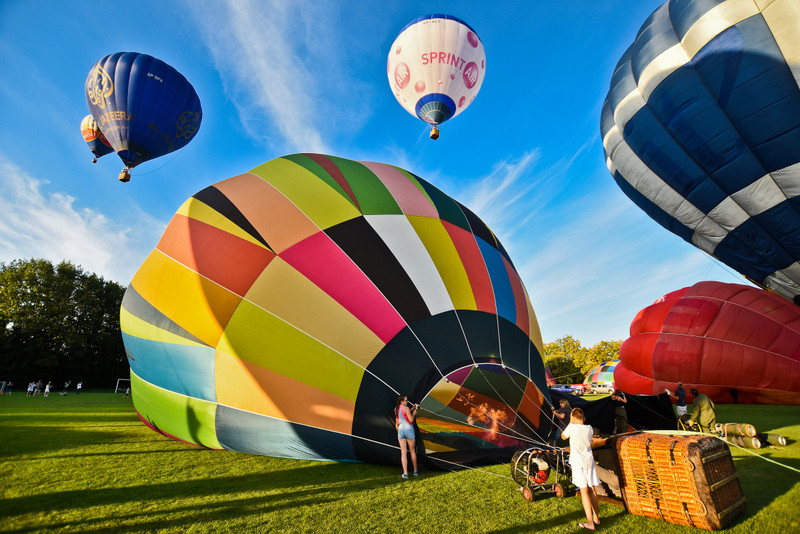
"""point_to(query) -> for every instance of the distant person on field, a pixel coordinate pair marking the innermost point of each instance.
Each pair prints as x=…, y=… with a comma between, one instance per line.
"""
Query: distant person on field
x=66, y=386
x=127, y=393
x=47, y=389
x=404, y=421
x=562, y=415
x=78, y=387
x=31, y=385
x=703, y=412
x=620, y=413
x=584, y=472
x=37, y=388
x=9, y=387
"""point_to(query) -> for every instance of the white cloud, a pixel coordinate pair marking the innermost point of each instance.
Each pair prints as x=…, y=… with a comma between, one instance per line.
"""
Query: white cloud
x=278, y=62
x=49, y=226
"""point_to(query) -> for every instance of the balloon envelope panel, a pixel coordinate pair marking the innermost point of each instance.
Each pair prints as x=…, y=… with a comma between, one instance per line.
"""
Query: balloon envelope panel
x=145, y=107
x=730, y=341
x=288, y=307
x=701, y=126
x=436, y=67
x=603, y=373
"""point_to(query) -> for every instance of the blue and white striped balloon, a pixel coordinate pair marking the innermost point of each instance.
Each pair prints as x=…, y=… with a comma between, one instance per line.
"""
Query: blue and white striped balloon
x=701, y=129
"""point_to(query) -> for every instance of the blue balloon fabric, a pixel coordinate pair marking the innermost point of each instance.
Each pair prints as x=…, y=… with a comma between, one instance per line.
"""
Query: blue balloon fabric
x=144, y=107
x=701, y=129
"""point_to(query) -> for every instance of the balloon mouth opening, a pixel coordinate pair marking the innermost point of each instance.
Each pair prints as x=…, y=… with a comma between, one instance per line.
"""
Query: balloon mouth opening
x=435, y=108
x=466, y=412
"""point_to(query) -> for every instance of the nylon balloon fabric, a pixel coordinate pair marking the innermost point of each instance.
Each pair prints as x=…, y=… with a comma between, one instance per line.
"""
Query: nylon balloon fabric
x=436, y=67
x=285, y=309
x=603, y=373
x=701, y=127
x=145, y=107
x=735, y=343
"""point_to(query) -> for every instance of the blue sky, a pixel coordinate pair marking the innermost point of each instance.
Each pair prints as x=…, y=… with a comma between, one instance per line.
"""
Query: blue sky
x=279, y=77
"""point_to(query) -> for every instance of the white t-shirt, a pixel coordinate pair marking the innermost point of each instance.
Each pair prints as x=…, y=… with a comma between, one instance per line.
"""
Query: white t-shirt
x=580, y=445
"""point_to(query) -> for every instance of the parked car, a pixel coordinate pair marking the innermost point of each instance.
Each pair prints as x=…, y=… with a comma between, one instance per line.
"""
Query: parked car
x=571, y=389
x=601, y=388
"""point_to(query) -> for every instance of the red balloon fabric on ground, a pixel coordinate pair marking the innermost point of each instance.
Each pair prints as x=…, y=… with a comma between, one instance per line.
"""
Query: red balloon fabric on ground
x=733, y=342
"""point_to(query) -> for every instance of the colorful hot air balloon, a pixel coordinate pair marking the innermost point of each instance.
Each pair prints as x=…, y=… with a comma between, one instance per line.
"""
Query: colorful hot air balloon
x=701, y=128
x=733, y=342
x=284, y=310
x=602, y=374
x=94, y=137
x=436, y=67
x=145, y=107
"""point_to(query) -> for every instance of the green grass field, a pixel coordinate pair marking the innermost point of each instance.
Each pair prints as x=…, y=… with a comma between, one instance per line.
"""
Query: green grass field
x=86, y=464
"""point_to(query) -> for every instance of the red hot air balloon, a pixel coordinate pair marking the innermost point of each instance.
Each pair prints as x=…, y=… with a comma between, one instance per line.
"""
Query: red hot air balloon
x=735, y=343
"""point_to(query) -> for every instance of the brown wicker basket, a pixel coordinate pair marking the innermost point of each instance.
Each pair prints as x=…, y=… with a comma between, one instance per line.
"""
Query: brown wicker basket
x=688, y=480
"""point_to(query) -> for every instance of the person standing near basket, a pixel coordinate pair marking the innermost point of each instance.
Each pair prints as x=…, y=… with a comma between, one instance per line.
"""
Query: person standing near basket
x=703, y=412
x=404, y=421
x=581, y=460
x=620, y=414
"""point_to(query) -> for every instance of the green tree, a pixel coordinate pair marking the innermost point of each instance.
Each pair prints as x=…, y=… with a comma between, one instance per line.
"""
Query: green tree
x=600, y=354
x=59, y=323
x=562, y=356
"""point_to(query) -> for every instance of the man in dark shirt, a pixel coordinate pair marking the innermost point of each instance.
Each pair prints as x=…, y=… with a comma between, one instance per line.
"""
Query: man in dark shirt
x=680, y=403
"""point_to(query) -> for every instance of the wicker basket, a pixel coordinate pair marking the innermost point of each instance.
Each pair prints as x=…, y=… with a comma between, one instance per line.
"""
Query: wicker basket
x=688, y=480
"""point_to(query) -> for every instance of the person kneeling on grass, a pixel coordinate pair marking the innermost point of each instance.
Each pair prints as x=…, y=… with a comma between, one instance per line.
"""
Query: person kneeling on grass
x=584, y=474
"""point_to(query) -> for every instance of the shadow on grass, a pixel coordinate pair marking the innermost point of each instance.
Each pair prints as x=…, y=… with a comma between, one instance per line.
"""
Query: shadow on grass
x=187, y=502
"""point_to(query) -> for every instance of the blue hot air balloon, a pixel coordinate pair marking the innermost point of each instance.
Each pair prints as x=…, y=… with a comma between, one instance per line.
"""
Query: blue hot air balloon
x=144, y=107
x=701, y=129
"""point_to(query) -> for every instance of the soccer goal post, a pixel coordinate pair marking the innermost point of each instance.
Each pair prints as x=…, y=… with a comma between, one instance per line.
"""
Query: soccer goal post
x=122, y=385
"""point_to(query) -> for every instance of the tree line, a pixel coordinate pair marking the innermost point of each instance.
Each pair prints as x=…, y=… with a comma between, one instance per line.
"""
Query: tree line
x=569, y=361
x=59, y=323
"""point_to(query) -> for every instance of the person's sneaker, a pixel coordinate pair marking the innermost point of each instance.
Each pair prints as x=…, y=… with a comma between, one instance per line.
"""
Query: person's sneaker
x=405, y=475
x=416, y=473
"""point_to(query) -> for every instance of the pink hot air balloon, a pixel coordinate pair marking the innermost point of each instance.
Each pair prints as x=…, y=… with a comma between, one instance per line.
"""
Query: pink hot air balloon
x=733, y=342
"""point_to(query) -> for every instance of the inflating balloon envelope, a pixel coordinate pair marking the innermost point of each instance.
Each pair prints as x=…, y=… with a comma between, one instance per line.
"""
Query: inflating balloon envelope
x=285, y=309
x=145, y=108
x=701, y=129
x=733, y=342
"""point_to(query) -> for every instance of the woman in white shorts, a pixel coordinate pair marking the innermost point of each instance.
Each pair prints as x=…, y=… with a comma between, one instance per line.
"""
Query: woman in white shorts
x=581, y=460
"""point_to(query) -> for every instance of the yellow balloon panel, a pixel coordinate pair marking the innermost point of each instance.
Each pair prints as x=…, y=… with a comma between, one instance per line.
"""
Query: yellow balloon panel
x=440, y=246
x=321, y=203
x=292, y=297
x=289, y=351
x=193, y=302
x=246, y=386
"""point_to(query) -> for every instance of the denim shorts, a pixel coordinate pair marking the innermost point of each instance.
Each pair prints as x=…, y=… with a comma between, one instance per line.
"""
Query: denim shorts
x=405, y=433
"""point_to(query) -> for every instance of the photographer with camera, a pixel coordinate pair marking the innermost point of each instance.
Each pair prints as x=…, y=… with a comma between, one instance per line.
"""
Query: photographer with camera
x=404, y=415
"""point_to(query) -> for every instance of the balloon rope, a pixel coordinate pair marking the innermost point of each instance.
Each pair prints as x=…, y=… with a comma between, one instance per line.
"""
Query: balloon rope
x=499, y=395
x=517, y=436
x=167, y=162
x=765, y=458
